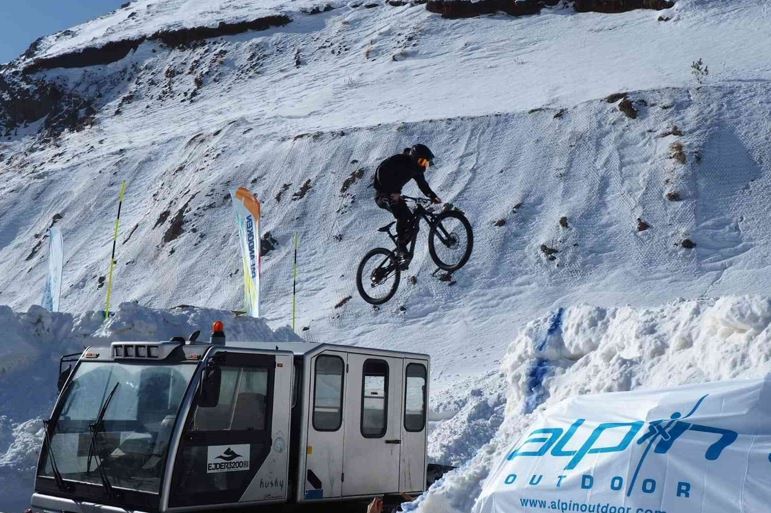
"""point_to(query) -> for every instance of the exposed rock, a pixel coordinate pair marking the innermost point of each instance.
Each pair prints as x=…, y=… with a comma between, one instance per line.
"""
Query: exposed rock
x=627, y=107
x=176, y=227
x=616, y=6
x=281, y=191
x=355, y=177
x=642, y=225
x=688, y=244
x=446, y=277
x=564, y=222
x=499, y=223
x=34, y=251
x=343, y=302
x=267, y=244
x=303, y=190
x=549, y=252
x=674, y=196
x=464, y=9
x=613, y=98
x=130, y=234
x=117, y=50
x=24, y=100
x=162, y=218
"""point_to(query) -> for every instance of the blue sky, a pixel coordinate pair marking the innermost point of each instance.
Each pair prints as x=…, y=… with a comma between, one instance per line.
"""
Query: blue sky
x=23, y=21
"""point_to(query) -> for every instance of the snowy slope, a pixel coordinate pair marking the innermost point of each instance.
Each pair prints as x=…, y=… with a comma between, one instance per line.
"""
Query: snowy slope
x=29, y=355
x=593, y=165
x=515, y=107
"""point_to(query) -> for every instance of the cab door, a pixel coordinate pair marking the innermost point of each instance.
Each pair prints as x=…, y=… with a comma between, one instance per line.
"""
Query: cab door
x=412, y=475
x=372, y=425
x=225, y=445
x=324, y=451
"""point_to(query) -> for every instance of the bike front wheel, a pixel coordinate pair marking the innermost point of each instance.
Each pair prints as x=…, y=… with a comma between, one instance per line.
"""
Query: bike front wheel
x=378, y=276
x=450, y=241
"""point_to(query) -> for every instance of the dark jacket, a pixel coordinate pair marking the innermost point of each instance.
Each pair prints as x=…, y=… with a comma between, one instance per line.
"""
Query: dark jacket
x=394, y=173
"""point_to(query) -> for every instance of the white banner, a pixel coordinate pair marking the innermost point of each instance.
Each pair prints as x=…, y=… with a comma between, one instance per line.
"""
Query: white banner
x=694, y=449
x=247, y=210
x=53, y=288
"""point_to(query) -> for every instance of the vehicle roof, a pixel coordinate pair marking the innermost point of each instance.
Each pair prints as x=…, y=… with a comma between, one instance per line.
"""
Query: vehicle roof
x=305, y=348
x=296, y=348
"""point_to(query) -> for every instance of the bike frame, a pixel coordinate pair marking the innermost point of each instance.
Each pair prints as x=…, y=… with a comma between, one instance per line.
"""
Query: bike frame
x=418, y=213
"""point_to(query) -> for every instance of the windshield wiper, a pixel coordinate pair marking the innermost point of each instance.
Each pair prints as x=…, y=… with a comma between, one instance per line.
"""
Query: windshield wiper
x=96, y=428
x=67, y=487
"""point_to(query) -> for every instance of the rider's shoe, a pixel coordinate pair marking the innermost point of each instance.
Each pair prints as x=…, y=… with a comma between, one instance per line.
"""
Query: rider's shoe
x=403, y=257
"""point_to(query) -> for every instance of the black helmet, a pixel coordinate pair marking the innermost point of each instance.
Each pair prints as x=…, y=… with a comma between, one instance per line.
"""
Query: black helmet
x=421, y=151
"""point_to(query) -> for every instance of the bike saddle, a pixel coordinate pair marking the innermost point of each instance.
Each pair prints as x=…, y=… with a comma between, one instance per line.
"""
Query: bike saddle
x=386, y=228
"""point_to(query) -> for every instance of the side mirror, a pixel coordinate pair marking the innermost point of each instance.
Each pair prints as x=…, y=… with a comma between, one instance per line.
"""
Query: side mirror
x=209, y=392
x=63, y=377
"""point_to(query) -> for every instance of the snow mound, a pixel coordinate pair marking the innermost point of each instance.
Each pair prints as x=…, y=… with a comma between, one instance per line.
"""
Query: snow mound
x=586, y=350
x=30, y=349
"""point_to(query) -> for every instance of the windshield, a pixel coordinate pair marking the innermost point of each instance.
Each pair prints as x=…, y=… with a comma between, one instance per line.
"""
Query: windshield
x=137, y=427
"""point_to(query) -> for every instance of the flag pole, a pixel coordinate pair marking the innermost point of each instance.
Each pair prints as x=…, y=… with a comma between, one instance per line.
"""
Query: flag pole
x=294, y=283
x=114, y=244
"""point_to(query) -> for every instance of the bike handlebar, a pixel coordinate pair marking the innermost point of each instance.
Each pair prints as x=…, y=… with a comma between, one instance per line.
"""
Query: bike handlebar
x=422, y=201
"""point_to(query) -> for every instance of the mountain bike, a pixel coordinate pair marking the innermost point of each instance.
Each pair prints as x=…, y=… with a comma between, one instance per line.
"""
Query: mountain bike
x=450, y=242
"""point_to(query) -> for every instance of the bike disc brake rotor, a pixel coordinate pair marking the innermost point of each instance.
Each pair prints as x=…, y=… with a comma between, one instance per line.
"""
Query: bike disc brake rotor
x=451, y=241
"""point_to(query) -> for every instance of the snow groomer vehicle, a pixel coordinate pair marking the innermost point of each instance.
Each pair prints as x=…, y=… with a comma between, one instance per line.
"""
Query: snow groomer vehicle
x=183, y=425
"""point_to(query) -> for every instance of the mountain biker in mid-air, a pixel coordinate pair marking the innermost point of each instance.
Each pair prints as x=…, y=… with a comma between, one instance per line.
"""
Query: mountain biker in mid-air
x=392, y=174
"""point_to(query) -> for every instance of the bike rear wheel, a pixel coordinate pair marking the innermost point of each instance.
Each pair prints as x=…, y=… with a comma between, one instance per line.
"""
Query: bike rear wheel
x=378, y=276
x=450, y=240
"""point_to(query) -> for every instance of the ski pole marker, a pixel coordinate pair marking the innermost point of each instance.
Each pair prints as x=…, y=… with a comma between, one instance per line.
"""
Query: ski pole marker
x=114, y=243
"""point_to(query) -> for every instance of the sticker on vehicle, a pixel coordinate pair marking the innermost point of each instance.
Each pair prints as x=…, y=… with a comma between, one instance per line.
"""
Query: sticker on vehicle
x=227, y=458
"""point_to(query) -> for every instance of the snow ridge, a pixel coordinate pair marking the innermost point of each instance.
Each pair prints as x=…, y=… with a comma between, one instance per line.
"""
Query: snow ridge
x=613, y=350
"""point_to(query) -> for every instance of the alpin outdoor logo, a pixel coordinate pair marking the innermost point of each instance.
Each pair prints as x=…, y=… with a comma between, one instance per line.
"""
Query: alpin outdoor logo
x=660, y=437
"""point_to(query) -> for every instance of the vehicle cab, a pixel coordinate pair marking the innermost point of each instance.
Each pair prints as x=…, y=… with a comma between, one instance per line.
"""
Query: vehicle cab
x=180, y=426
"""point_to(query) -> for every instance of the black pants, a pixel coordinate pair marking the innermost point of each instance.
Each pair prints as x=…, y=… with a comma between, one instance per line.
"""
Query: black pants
x=405, y=221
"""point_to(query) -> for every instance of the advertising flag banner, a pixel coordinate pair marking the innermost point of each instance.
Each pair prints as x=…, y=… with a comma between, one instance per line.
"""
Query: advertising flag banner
x=247, y=211
x=53, y=286
x=693, y=449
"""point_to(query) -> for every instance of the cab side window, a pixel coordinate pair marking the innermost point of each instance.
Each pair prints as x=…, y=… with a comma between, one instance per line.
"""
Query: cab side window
x=242, y=402
x=415, y=398
x=328, y=393
x=374, y=399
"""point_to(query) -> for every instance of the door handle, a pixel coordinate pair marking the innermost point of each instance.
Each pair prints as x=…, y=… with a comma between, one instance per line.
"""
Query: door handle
x=396, y=442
